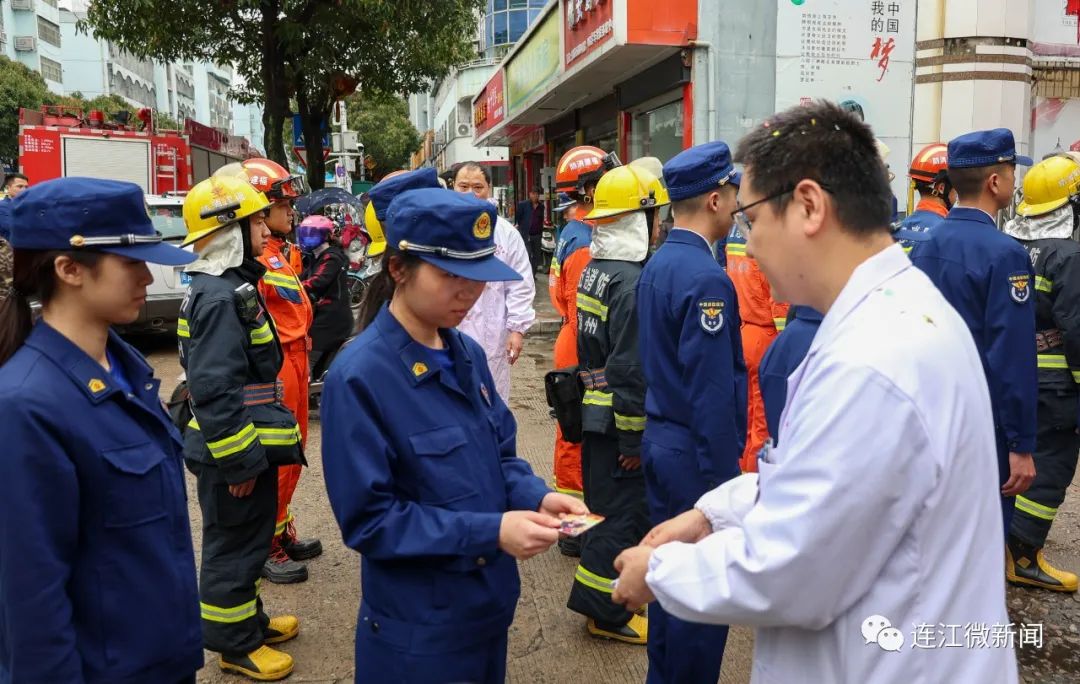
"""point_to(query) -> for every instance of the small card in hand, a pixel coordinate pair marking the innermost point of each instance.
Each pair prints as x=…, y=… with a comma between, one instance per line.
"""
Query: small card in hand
x=576, y=525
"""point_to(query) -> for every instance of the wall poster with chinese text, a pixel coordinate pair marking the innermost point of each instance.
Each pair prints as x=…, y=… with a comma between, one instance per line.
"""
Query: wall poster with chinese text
x=861, y=52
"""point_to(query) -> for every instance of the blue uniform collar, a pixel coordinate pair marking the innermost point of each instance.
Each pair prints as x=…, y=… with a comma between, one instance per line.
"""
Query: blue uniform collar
x=418, y=362
x=807, y=313
x=971, y=214
x=684, y=236
x=89, y=375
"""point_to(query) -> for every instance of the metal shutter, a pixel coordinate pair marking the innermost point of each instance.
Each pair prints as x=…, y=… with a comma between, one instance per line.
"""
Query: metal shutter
x=115, y=159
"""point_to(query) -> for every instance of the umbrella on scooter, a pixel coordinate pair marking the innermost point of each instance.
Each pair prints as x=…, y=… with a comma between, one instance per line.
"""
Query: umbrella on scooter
x=310, y=204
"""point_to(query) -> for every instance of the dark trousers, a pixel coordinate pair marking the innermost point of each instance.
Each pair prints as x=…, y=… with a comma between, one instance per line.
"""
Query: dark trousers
x=536, y=254
x=618, y=495
x=679, y=651
x=1056, y=448
x=236, y=542
x=377, y=661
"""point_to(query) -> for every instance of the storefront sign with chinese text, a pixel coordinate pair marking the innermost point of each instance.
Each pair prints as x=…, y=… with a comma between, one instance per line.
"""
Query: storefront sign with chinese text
x=535, y=64
x=588, y=24
x=489, y=109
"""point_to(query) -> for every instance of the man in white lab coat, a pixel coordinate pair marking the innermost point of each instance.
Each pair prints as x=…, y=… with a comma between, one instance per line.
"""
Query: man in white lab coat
x=868, y=547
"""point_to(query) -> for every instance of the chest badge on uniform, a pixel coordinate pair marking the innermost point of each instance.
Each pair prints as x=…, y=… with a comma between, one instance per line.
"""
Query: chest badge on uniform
x=419, y=368
x=485, y=394
x=275, y=262
x=96, y=385
x=712, y=315
x=1020, y=287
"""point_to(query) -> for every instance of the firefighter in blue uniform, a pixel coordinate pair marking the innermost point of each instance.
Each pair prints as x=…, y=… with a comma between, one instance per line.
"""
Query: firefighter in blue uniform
x=97, y=572
x=421, y=462
x=988, y=278
x=781, y=359
x=240, y=431
x=695, y=405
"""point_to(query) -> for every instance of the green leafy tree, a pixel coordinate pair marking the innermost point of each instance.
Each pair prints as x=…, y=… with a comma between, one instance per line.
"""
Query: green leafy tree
x=19, y=87
x=382, y=123
x=308, y=51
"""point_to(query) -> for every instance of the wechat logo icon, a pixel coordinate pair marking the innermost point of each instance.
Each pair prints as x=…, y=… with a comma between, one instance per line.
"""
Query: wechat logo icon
x=877, y=629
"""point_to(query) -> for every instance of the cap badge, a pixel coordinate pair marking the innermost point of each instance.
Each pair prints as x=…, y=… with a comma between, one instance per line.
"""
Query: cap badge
x=481, y=228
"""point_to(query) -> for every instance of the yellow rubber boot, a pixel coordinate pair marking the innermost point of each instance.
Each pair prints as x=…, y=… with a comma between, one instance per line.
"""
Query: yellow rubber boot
x=636, y=631
x=282, y=628
x=264, y=664
x=1025, y=564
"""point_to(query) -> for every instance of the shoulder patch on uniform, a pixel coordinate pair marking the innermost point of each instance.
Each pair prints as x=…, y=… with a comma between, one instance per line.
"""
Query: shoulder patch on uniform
x=1019, y=287
x=712, y=315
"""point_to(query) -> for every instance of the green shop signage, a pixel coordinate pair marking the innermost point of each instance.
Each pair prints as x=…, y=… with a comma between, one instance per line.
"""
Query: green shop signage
x=535, y=64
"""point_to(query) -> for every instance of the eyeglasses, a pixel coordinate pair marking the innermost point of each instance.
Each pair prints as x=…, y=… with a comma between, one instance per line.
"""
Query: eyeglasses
x=743, y=222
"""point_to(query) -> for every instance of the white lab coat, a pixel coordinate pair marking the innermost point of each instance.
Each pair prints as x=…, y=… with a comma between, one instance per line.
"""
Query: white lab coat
x=504, y=307
x=882, y=498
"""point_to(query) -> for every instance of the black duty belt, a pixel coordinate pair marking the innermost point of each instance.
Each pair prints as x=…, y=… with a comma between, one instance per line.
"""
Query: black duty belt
x=264, y=393
x=1045, y=340
x=593, y=379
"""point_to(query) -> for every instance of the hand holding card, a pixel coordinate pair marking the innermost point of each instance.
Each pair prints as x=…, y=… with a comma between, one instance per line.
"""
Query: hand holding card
x=576, y=525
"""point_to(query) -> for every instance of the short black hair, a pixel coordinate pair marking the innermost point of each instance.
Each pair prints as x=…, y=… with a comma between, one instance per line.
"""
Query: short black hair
x=692, y=205
x=472, y=166
x=13, y=176
x=824, y=143
x=968, y=181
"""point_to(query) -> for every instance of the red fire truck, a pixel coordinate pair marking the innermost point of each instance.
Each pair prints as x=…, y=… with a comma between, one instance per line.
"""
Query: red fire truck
x=60, y=141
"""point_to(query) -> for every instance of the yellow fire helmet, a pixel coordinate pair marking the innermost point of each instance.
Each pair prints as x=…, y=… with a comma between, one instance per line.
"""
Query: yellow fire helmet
x=375, y=231
x=217, y=202
x=625, y=189
x=1048, y=185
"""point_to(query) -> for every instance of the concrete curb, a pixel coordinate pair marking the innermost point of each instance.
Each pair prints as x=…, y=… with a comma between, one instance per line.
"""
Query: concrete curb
x=546, y=327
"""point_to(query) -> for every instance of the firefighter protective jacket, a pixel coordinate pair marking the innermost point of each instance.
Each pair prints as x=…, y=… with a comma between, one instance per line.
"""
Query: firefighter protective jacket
x=230, y=351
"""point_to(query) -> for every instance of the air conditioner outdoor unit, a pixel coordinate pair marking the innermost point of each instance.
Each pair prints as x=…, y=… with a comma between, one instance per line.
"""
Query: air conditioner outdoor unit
x=464, y=130
x=25, y=43
x=22, y=4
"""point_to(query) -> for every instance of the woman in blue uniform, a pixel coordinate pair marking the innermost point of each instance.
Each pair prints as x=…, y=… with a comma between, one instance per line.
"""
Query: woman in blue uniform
x=97, y=573
x=420, y=458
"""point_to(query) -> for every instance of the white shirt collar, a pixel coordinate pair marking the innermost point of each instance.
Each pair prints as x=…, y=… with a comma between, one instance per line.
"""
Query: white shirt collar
x=866, y=277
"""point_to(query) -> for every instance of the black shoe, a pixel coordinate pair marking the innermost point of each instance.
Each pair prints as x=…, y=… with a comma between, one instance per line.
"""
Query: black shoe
x=299, y=549
x=280, y=569
x=570, y=546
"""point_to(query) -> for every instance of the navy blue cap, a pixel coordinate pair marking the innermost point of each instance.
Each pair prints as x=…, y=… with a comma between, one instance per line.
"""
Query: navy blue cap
x=384, y=192
x=699, y=170
x=452, y=230
x=93, y=214
x=984, y=148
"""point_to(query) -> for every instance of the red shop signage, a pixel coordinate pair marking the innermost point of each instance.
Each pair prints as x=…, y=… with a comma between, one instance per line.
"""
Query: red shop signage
x=587, y=24
x=489, y=108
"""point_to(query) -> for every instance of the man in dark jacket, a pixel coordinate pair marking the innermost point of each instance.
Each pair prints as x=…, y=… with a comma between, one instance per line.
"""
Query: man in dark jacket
x=529, y=219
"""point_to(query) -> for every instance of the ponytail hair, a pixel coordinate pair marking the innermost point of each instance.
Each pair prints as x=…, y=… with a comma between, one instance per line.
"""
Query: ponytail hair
x=33, y=277
x=382, y=285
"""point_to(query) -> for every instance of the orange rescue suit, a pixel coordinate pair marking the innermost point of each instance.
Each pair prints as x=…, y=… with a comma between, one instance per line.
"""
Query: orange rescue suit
x=762, y=320
x=570, y=259
x=290, y=307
